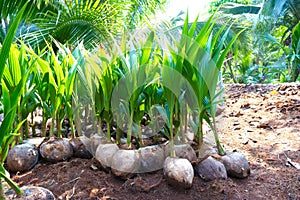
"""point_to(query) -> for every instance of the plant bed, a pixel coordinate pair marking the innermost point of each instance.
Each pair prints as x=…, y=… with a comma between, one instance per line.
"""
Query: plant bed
x=265, y=149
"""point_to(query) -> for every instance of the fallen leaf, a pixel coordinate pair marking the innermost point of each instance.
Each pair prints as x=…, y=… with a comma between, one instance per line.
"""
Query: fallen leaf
x=274, y=92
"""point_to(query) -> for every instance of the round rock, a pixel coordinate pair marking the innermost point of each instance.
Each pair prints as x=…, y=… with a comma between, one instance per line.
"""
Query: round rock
x=152, y=158
x=182, y=151
x=95, y=141
x=179, y=172
x=79, y=149
x=22, y=157
x=32, y=193
x=56, y=149
x=125, y=163
x=105, y=153
x=236, y=165
x=211, y=169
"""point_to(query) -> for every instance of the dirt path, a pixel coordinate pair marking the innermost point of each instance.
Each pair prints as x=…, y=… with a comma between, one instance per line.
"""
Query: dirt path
x=260, y=121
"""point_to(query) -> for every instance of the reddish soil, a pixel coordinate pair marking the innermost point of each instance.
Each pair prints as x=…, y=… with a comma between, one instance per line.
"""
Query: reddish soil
x=260, y=121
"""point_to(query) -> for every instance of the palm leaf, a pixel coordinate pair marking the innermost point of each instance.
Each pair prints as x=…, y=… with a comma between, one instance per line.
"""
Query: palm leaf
x=89, y=21
x=238, y=9
x=8, y=40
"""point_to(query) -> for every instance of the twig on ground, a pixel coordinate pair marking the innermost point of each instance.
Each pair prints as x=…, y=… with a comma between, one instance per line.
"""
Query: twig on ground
x=73, y=190
x=74, y=178
x=74, y=186
x=147, y=189
x=70, y=181
x=291, y=163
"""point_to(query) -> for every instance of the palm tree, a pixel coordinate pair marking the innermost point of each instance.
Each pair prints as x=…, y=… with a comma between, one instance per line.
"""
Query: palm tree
x=69, y=22
x=10, y=8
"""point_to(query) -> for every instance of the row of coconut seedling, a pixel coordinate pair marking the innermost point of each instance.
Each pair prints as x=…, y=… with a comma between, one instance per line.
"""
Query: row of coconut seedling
x=129, y=80
x=126, y=163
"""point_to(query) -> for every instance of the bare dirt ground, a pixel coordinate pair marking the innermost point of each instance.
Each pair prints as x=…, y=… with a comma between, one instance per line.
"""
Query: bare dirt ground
x=260, y=121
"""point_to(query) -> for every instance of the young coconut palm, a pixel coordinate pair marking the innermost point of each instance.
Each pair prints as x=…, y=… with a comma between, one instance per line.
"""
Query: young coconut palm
x=137, y=73
x=202, y=56
x=10, y=103
x=19, y=64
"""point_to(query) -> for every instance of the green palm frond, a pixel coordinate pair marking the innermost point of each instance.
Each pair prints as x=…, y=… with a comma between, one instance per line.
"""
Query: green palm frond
x=90, y=21
x=8, y=7
x=9, y=10
x=237, y=9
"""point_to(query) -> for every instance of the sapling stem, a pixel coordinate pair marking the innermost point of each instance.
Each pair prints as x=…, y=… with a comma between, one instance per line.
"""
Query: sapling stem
x=100, y=126
x=33, y=124
x=185, y=117
x=118, y=135
x=172, y=152
x=58, y=125
x=108, y=135
x=200, y=133
x=129, y=132
x=86, y=115
x=44, y=122
x=73, y=135
x=221, y=150
x=52, y=126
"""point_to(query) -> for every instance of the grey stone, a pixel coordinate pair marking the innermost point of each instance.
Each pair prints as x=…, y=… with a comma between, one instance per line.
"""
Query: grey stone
x=179, y=172
x=56, y=149
x=236, y=165
x=182, y=151
x=211, y=169
x=125, y=163
x=152, y=158
x=22, y=157
x=95, y=141
x=105, y=154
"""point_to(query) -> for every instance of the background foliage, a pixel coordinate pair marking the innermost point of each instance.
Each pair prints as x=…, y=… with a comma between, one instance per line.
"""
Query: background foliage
x=262, y=54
